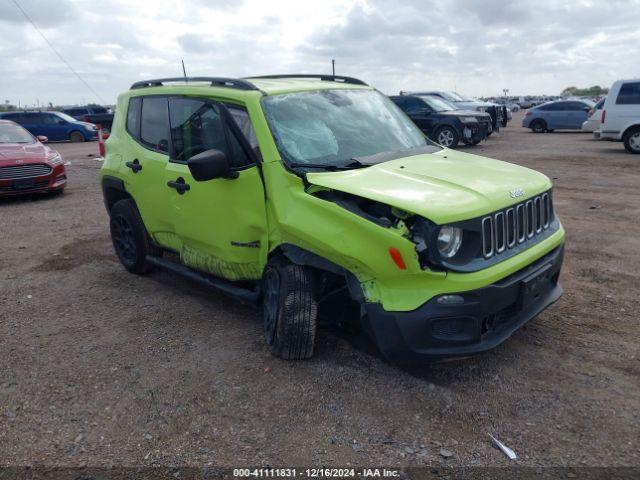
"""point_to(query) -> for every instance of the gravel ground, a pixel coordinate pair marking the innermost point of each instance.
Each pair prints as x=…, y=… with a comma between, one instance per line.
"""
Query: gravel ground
x=101, y=367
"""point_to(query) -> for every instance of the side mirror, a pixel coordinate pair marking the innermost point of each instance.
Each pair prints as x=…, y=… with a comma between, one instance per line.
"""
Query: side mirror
x=42, y=139
x=210, y=164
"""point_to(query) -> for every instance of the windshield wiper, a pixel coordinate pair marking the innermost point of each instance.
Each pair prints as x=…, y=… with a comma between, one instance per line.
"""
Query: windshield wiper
x=344, y=166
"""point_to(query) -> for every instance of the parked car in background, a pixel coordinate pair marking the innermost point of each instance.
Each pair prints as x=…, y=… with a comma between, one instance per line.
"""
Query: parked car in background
x=26, y=165
x=442, y=122
x=54, y=125
x=621, y=115
x=558, y=115
x=92, y=114
x=592, y=123
x=498, y=112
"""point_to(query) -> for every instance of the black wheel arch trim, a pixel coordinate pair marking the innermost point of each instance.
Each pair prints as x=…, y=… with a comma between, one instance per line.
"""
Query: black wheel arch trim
x=111, y=184
x=300, y=256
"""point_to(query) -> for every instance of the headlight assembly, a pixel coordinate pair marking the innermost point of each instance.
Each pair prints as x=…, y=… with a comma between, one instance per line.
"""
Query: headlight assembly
x=55, y=160
x=468, y=119
x=449, y=241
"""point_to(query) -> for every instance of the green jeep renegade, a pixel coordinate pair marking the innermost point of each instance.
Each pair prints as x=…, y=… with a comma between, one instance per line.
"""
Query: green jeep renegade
x=310, y=194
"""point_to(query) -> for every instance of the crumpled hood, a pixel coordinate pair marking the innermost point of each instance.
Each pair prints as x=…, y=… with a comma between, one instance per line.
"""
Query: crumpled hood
x=446, y=186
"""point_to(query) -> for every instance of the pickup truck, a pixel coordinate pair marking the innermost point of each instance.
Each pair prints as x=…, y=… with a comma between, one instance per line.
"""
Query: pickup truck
x=92, y=114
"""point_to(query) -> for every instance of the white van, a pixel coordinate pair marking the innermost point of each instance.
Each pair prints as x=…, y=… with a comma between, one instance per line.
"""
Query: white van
x=621, y=115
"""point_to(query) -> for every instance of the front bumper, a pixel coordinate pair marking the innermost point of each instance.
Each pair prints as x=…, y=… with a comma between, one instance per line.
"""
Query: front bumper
x=487, y=317
x=55, y=180
x=475, y=132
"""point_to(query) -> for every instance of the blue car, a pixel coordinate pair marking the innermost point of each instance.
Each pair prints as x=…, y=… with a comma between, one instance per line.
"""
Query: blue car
x=560, y=115
x=55, y=126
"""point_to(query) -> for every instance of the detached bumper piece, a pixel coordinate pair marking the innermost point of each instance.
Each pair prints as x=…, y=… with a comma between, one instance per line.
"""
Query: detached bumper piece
x=466, y=323
x=475, y=133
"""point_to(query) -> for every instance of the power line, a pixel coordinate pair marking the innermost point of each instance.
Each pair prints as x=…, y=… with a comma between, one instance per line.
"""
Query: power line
x=56, y=52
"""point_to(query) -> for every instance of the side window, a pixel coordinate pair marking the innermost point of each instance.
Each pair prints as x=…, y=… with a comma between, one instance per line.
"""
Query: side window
x=575, y=106
x=35, y=119
x=629, y=94
x=241, y=117
x=553, y=107
x=154, y=123
x=197, y=126
x=414, y=106
x=49, y=119
x=133, y=116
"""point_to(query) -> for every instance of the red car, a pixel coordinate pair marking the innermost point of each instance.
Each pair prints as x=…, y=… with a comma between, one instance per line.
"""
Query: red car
x=26, y=165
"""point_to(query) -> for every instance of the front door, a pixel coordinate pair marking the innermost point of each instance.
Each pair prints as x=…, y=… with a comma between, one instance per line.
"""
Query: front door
x=577, y=113
x=221, y=223
x=55, y=127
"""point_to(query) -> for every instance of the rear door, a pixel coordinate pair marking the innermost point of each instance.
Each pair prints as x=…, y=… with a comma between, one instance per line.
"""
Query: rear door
x=33, y=122
x=555, y=115
x=221, y=223
x=144, y=159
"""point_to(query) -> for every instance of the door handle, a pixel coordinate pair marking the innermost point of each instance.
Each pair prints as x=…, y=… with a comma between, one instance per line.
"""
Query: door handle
x=179, y=185
x=135, y=165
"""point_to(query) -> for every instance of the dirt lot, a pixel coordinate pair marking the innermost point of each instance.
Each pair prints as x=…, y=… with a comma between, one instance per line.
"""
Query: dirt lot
x=101, y=367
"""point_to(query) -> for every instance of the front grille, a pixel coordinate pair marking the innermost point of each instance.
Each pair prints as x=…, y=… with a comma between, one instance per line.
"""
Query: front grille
x=24, y=171
x=516, y=225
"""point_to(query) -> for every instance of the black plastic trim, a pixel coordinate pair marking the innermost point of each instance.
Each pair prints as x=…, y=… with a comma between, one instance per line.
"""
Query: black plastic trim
x=487, y=317
x=325, y=78
x=237, y=83
x=245, y=294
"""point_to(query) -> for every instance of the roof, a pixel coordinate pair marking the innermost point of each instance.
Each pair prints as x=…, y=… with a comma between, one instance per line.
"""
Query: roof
x=238, y=88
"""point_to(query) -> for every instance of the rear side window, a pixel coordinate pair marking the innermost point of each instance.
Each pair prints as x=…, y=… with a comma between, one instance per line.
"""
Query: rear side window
x=629, y=94
x=133, y=116
x=154, y=123
x=552, y=107
x=197, y=126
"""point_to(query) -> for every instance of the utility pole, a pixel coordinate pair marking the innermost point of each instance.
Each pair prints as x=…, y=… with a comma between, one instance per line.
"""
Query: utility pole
x=184, y=71
x=333, y=66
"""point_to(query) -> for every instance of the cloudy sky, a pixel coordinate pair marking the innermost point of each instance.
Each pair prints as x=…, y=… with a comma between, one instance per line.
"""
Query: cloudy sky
x=475, y=47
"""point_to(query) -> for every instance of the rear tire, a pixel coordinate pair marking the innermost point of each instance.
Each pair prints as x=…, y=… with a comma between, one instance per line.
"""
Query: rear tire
x=447, y=137
x=289, y=309
x=76, y=137
x=538, y=126
x=631, y=140
x=130, y=239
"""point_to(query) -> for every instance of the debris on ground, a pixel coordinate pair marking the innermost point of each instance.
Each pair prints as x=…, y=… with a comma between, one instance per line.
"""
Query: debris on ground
x=506, y=450
x=446, y=453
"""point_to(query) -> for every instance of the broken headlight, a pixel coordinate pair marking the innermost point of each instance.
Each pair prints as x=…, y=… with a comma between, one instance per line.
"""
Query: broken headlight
x=444, y=246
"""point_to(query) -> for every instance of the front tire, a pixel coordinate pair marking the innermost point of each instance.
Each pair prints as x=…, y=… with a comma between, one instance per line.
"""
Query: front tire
x=538, y=126
x=76, y=137
x=447, y=137
x=130, y=239
x=631, y=140
x=289, y=309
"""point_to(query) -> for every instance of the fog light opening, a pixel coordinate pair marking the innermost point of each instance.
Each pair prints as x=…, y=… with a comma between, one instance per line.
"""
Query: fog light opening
x=450, y=299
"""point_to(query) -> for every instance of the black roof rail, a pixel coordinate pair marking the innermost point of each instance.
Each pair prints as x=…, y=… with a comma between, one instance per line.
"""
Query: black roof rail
x=237, y=83
x=326, y=78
